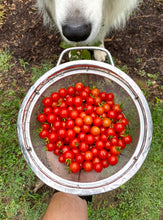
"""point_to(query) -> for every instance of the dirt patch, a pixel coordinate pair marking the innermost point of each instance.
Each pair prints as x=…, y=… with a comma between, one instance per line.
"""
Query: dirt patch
x=138, y=46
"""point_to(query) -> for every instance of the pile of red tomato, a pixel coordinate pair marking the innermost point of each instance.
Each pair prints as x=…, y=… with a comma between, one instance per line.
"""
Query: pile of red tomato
x=84, y=128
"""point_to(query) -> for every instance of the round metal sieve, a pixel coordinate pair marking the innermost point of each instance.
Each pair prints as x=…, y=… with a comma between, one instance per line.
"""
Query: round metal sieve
x=109, y=79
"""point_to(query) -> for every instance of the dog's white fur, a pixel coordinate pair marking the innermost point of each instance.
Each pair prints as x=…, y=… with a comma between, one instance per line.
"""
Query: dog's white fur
x=104, y=15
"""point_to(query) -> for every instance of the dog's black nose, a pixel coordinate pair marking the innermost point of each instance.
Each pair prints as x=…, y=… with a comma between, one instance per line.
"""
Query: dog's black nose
x=76, y=32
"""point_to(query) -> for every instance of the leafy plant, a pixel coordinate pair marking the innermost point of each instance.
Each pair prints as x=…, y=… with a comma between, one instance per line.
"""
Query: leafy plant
x=5, y=61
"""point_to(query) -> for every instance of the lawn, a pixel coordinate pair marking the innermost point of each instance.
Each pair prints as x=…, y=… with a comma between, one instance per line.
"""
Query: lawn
x=139, y=199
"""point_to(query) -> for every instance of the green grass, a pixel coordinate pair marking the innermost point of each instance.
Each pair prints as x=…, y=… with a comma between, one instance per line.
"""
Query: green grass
x=140, y=198
x=5, y=61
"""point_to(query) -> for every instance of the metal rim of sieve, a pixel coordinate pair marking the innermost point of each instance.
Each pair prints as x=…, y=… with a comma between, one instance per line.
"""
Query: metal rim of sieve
x=136, y=160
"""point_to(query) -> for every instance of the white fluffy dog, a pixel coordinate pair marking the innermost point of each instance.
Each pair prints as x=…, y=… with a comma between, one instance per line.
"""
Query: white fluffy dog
x=86, y=22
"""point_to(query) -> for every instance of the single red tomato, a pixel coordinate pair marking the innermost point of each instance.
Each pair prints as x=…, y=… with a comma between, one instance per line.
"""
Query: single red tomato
x=69, y=124
x=88, y=156
x=52, y=137
x=110, y=96
x=105, y=163
x=77, y=129
x=47, y=102
x=82, y=136
x=95, y=92
x=88, y=109
x=41, y=117
x=94, y=151
x=96, y=160
x=88, y=120
x=45, y=126
x=64, y=113
x=69, y=100
x=100, y=145
x=70, y=133
x=119, y=127
x=55, y=96
x=95, y=130
x=61, y=158
x=74, y=167
x=106, y=122
x=98, y=167
x=103, y=96
x=116, y=108
x=115, y=150
x=99, y=110
x=85, y=128
x=70, y=90
x=110, y=132
x=62, y=92
x=51, y=118
x=87, y=166
x=48, y=110
x=89, y=139
x=127, y=139
x=103, y=154
x=90, y=100
x=79, y=158
x=83, y=146
x=74, y=114
x=79, y=121
x=113, y=160
x=44, y=133
x=78, y=101
x=112, y=114
x=79, y=86
x=97, y=121
x=74, y=142
x=121, y=144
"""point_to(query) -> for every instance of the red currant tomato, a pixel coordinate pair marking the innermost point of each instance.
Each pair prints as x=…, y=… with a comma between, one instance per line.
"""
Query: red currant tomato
x=48, y=110
x=95, y=92
x=78, y=101
x=79, y=121
x=74, y=167
x=44, y=133
x=103, y=154
x=61, y=158
x=64, y=113
x=119, y=127
x=79, y=86
x=52, y=137
x=50, y=146
x=88, y=120
x=88, y=156
x=106, y=122
x=113, y=160
x=98, y=167
x=115, y=150
x=110, y=96
x=82, y=136
x=70, y=90
x=45, y=126
x=55, y=96
x=51, y=118
x=100, y=145
x=62, y=92
x=99, y=110
x=127, y=139
x=41, y=117
x=116, y=108
x=89, y=139
x=112, y=114
x=74, y=114
x=74, y=143
x=97, y=121
x=87, y=166
x=79, y=158
x=103, y=96
x=95, y=130
x=83, y=146
x=90, y=100
x=47, y=102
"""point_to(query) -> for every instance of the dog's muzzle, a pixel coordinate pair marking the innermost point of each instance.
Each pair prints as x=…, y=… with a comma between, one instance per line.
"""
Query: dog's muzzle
x=76, y=31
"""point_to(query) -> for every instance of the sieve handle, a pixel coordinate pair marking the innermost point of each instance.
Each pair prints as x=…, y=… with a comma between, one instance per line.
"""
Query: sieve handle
x=85, y=48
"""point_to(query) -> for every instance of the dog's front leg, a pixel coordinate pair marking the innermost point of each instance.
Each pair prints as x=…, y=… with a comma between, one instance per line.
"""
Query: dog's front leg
x=100, y=55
